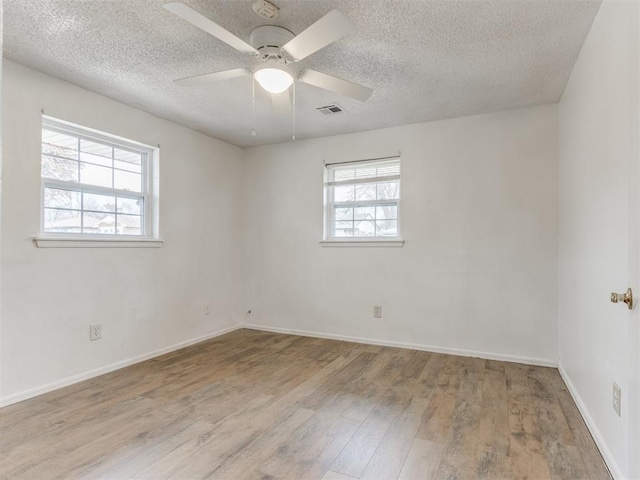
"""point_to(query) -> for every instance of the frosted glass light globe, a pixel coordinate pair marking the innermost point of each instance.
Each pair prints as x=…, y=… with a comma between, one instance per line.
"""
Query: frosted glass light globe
x=273, y=80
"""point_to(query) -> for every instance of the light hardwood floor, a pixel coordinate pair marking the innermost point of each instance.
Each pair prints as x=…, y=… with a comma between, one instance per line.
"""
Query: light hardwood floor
x=255, y=405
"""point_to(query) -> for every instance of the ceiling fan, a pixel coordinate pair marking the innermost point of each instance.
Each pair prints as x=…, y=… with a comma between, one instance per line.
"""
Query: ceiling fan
x=277, y=48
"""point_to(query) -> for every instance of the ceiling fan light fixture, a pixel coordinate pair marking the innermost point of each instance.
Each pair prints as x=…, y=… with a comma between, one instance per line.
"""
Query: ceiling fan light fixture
x=273, y=80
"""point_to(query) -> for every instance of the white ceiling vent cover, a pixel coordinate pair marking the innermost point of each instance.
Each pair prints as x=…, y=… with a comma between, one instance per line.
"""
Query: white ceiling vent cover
x=332, y=109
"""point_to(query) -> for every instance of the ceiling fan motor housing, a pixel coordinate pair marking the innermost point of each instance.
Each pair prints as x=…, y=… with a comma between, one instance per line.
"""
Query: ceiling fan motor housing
x=268, y=40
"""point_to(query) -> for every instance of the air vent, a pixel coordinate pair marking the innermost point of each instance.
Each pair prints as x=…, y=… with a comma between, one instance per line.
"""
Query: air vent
x=330, y=109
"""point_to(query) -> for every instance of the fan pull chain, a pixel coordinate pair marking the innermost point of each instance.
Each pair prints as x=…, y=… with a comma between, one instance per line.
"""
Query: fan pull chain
x=293, y=137
x=253, y=105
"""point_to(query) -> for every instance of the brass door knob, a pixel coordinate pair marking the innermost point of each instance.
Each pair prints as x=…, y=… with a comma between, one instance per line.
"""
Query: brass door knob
x=626, y=297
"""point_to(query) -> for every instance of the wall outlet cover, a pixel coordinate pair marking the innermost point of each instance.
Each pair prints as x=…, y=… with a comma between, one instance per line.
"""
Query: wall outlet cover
x=617, y=398
x=377, y=311
x=95, y=331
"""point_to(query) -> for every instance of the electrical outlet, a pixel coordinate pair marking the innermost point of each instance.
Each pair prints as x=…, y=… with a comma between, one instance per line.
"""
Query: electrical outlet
x=377, y=311
x=617, y=398
x=95, y=332
x=207, y=309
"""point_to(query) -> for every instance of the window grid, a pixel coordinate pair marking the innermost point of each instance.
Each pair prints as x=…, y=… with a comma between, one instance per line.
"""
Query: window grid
x=362, y=200
x=129, y=215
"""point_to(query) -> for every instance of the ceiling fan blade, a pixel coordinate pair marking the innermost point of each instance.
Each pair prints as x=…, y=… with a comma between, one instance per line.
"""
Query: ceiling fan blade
x=328, y=29
x=209, y=26
x=281, y=103
x=336, y=85
x=212, y=77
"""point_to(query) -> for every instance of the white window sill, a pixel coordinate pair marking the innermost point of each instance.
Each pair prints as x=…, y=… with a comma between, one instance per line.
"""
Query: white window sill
x=362, y=243
x=75, y=242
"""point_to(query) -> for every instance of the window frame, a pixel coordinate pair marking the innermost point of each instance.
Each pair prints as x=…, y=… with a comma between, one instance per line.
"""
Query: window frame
x=329, y=238
x=147, y=194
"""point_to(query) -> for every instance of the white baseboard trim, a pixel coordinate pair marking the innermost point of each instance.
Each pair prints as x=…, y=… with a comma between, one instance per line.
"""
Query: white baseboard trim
x=34, y=392
x=412, y=346
x=609, y=460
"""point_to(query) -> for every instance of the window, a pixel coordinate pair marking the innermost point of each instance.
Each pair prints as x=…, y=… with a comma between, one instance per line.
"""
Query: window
x=94, y=184
x=362, y=200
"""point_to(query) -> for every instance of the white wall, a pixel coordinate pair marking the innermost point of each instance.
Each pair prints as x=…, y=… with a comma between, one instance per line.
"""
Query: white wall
x=478, y=271
x=599, y=243
x=146, y=299
x=1, y=183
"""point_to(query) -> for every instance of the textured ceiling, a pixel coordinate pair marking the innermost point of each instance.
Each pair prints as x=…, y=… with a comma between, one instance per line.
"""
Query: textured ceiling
x=425, y=60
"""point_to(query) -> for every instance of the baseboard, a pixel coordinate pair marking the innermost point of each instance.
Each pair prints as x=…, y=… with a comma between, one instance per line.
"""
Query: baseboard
x=411, y=346
x=611, y=463
x=34, y=392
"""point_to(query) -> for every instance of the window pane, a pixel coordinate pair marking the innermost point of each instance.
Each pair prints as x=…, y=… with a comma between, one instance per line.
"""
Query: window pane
x=101, y=169
x=365, y=202
x=343, y=229
x=343, y=214
x=129, y=225
x=61, y=221
x=59, y=169
x=129, y=167
x=96, y=153
x=365, y=229
x=344, y=174
x=95, y=175
x=387, y=228
x=343, y=193
x=128, y=160
x=365, y=213
x=57, y=198
x=366, y=191
x=366, y=172
x=59, y=144
x=99, y=223
x=128, y=181
x=130, y=205
x=100, y=203
x=388, y=170
x=387, y=212
x=389, y=190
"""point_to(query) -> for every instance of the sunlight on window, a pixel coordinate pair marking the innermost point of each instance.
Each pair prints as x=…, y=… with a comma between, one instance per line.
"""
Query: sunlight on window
x=362, y=200
x=92, y=185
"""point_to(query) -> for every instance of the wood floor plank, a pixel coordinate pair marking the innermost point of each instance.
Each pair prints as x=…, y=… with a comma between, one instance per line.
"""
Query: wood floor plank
x=493, y=435
x=254, y=405
x=331, y=475
x=565, y=462
x=493, y=466
x=389, y=457
x=461, y=447
x=264, y=446
x=472, y=382
x=422, y=461
x=373, y=385
x=517, y=381
x=437, y=418
x=72, y=448
x=279, y=462
x=354, y=458
x=132, y=458
x=19, y=455
x=526, y=449
x=594, y=465
x=316, y=460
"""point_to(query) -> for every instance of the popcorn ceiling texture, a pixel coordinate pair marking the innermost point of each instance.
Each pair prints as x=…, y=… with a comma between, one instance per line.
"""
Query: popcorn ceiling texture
x=425, y=60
